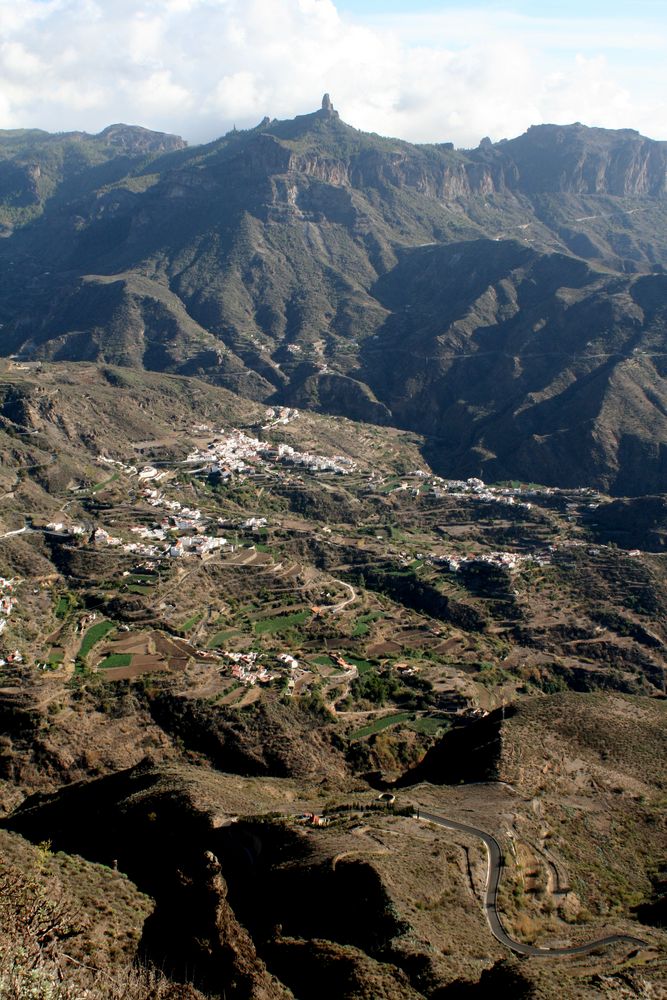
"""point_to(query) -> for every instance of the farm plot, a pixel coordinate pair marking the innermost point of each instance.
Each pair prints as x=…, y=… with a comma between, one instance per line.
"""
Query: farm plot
x=144, y=653
x=377, y=725
x=220, y=638
x=362, y=625
x=94, y=635
x=115, y=660
x=363, y=666
x=281, y=623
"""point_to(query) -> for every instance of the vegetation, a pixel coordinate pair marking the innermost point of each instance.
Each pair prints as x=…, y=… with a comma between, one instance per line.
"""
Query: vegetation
x=384, y=722
x=362, y=624
x=571, y=640
x=362, y=665
x=115, y=660
x=375, y=688
x=93, y=635
x=221, y=637
x=192, y=621
x=281, y=623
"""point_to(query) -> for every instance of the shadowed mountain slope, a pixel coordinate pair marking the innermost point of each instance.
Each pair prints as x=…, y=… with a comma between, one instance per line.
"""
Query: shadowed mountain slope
x=506, y=301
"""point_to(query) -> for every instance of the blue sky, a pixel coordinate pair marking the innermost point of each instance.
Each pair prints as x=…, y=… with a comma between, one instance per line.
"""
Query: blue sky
x=543, y=8
x=425, y=70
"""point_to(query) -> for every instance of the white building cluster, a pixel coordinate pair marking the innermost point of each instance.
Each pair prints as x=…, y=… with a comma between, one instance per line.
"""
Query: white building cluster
x=478, y=488
x=64, y=528
x=131, y=470
x=7, y=601
x=147, y=474
x=249, y=669
x=246, y=667
x=180, y=532
x=239, y=453
x=276, y=415
x=512, y=561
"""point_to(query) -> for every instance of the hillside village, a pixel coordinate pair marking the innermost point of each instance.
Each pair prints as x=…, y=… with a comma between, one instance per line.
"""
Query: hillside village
x=238, y=453
x=165, y=519
x=331, y=699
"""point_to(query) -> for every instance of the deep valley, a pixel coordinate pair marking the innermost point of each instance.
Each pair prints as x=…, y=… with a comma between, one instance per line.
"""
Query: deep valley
x=333, y=565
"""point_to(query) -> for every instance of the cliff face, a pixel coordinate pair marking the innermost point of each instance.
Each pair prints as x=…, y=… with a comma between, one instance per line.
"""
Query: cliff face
x=441, y=177
x=570, y=159
x=507, y=301
x=580, y=160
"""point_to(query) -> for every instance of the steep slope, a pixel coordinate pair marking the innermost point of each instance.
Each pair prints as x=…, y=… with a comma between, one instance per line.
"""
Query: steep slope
x=225, y=627
x=36, y=166
x=517, y=363
x=580, y=160
x=590, y=773
x=500, y=300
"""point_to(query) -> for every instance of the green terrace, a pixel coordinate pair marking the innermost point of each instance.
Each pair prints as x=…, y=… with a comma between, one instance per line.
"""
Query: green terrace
x=220, y=638
x=429, y=725
x=192, y=621
x=115, y=660
x=95, y=634
x=281, y=623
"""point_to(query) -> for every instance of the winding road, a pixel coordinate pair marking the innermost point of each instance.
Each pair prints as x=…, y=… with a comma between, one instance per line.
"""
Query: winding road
x=495, y=859
x=335, y=608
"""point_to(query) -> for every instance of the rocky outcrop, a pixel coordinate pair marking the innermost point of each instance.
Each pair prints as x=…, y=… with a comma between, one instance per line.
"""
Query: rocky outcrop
x=580, y=160
x=265, y=155
x=327, y=104
x=136, y=141
x=215, y=944
x=321, y=970
x=151, y=827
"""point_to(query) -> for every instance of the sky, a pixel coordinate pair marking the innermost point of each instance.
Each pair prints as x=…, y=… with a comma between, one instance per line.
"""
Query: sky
x=426, y=70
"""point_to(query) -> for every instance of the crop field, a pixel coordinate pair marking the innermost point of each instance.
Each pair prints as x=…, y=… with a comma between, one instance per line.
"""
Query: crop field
x=221, y=637
x=363, y=666
x=322, y=661
x=115, y=660
x=105, y=482
x=430, y=725
x=95, y=634
x=363, y=624
x=192, y=621
x=384, y=722
x=281, y=623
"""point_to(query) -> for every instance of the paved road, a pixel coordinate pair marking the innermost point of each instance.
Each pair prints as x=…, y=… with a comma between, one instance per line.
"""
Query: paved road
x=495, y=857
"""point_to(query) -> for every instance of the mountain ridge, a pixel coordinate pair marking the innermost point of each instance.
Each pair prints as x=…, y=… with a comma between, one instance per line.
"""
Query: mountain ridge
x=295, y=261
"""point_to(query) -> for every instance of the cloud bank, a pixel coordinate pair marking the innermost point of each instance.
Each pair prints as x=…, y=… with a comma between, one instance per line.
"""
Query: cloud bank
x=197, y=67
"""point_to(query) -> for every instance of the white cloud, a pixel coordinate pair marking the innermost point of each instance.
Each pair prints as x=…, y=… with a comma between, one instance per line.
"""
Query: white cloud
x=198, y=66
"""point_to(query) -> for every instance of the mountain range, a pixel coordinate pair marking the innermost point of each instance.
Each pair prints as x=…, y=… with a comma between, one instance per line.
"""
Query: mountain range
x=288, y=708
x=506, y=302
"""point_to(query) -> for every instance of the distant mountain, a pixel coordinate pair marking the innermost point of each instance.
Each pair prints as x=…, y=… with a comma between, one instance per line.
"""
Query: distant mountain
x=35, y=165
x=508, y=301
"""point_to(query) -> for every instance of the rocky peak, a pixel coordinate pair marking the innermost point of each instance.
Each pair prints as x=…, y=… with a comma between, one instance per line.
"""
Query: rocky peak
x=327, y=107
